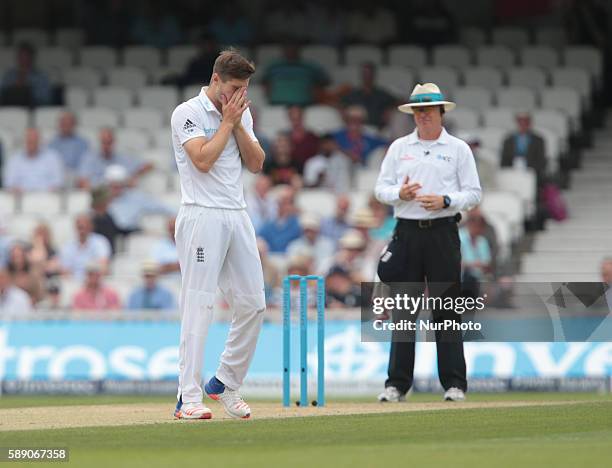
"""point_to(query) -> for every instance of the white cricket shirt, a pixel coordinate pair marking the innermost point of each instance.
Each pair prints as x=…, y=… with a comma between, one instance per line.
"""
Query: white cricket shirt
x=221, y=187
x=445, y=166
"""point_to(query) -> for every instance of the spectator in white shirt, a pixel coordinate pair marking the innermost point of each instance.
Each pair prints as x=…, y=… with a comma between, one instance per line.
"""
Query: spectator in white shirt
x=14, y=302
x=86, y=248
x=261, y=206
x=35, y=168
x=69, y=145
x=164, y=252
x=322, y=248
x=331, y=168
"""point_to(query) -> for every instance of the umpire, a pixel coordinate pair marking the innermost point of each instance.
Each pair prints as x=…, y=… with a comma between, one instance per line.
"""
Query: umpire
x=428, y=176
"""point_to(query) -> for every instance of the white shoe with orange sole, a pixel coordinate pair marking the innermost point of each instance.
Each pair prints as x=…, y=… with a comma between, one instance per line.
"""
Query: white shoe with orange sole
x=233, y=403
x=192, y=411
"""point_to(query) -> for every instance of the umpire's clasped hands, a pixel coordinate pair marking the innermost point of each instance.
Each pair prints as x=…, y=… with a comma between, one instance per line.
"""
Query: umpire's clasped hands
x=408, y=192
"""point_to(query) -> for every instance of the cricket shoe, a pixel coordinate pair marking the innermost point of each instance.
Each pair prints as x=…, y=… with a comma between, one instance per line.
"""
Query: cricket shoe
x=191, y=411
x=231, y=400
x=391, y=394
x=454, y=394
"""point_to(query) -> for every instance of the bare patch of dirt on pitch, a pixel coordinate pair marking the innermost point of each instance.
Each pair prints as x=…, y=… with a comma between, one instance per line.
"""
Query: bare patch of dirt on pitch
x=62, y=417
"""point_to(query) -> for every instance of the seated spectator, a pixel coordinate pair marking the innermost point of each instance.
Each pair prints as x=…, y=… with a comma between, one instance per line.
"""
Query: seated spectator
x=340, y=290
x=155, y=26
x=151, y=295
x=350, y=257
x=200, y=67
x=322, y=248
x=43, y=253
x=14, y=302
x=280, y=168
x=128, y=205
x=5, y=243
x=353, y=139
x=164, y=252
x=335, y=226
x=93, y=166
x=487, y=169
x=103, y=222
x=377, y=102
x=304, y=143
x=94, y=295
x=35, y=169
x=525, y=148
x=68, y=144
x=331, y=168
x=86, y=248
x=230, y=25
x=26, y=276
x=271, y=274
x=385, y=222
x=24, y=84
x=261, y=206
x=491, y=236
x=286, y=227
x=53, y=297
x=475, y=253
x=293, y=81
x=372, y=23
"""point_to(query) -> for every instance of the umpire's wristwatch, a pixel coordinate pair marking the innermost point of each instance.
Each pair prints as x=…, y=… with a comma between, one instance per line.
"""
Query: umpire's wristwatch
x=447, y=201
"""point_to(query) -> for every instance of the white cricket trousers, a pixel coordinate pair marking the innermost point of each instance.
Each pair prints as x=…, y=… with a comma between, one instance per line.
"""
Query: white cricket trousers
x=217, y=248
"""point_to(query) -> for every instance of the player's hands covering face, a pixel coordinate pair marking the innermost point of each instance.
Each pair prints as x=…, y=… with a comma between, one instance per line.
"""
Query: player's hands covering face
x=232, y=110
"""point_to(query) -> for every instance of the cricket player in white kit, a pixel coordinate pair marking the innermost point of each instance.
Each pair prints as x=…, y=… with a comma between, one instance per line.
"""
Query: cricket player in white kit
x=212, y=135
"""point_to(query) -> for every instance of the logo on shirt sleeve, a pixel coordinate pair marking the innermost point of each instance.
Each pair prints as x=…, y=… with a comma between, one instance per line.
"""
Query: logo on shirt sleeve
x=189, y=126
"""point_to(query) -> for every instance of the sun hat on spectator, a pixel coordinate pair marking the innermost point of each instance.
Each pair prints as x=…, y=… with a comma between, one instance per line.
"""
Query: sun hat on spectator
x=352, y=239
x=364, y=218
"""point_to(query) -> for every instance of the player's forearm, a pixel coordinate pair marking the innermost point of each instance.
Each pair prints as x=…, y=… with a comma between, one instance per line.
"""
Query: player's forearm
x=252, y=153
x=210, y=151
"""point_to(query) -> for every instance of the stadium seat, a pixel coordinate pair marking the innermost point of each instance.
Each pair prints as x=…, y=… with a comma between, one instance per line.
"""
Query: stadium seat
x=366, y=180
x=358, y=54
x=257, y=94
x=552, y=36
x=127, y=77
x=483, y=77
x=143, y=118
x=161, y=158
x=492, y=138
x=519, y=98
x=124, y=266
x=97, y=117
x=163, y=141
x=266, y=54
x=46, y=117
x=446, y=78
x=500, y=117
x=70, y=38
x=41, y=203
x=272, y=119
x=7, y=57
x=348, y=74
x=528, y=77
x=82, y=77
x=463, y=118
x=399, y=81
x=503, y=232
x=132, y=141
x=326, y=56
x=472, y=37
x=178, y=57
x=452, y=56
x=554, y=147
x=154, y=182
x=495, y=56
x=37, y=37
x=473, y=97
x=7, y=203
x=576, y=78
x=553, y=120
x=512, y=37
x=318, y=201
x=192, y=91
x=542, y=56
x=54, y=57
x=507, y=204
x=154, y=224
x=322, y=119
x=21, y=226
x=100, y=57
x=565, y=99
x=76, y=98
x=407, y=56
x=8, y=140
x=113, y=97
x=520, y=182
x=146, y=57
x=14, y=119
x=162, y=98
x=585, y=57
x=140, y=245
x=78, y=201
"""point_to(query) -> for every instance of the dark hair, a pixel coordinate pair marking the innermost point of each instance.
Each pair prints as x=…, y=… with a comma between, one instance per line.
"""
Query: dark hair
x=230, y=64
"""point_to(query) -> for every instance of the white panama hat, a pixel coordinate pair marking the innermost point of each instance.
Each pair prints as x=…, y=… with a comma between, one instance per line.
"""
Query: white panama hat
x=427, y=94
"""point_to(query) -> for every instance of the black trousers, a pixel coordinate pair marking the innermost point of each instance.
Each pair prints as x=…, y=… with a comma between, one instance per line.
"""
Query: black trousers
x=430, y=255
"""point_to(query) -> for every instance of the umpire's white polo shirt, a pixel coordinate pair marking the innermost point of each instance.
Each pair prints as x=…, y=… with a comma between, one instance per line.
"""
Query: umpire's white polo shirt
x=221, y=187
x=444, y=166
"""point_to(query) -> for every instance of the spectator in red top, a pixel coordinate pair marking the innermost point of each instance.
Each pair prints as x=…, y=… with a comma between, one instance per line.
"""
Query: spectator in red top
x=94, y=295
x=305, y=144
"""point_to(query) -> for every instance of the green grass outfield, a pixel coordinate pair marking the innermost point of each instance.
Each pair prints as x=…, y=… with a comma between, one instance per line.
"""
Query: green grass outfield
x=561, y=435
